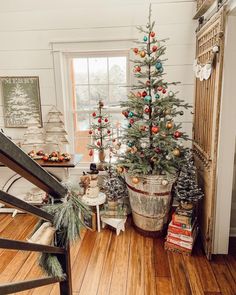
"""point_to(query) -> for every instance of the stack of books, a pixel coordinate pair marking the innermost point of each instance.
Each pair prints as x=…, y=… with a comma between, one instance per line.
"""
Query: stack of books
x=182, y=231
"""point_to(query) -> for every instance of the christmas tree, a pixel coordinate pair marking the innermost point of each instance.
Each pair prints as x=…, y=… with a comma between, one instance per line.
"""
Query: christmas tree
x=55, y=130
x=100, y=131
x=153, y=139
x=186, y=189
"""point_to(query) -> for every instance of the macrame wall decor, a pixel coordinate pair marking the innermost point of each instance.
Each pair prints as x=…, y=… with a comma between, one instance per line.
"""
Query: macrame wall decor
x=204, y=71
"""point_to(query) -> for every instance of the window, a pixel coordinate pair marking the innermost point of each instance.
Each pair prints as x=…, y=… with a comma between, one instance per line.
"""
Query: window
x=97, y=76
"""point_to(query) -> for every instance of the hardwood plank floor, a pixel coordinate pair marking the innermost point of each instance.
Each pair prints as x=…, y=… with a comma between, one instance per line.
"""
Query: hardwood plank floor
x=128, y=264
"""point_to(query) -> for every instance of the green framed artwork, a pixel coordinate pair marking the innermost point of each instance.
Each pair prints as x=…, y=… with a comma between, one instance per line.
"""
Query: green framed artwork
x=21, y=100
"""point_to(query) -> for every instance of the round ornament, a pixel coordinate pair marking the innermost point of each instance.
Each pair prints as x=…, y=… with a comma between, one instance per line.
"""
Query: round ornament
x=158, y=65
x=138, y=69
x=147, y=98
x=164, y=91
x=130, y=144
x=157, y=96
x=108, y=131
x=215, y=49
x=99, y=120
x=159, y=88
x=176, y=152
x=142, y=53
x=177, y=134
x=134, y=150
x=145, y=38
x=152, y=34
x=129, y=125
x=164, y=182
x=106, y=120
x=99, y=129
x=148, y=83
x=147, y=110
x=94, y=114
x=117, y=146
x=135, y=180
x=167, y=112
x=120, y=169
x=131, y=114
x=139, y=94
x=135, y=50
x=154, y=48
x=90, y=132
x=169, y=125
x=98, y=143
x=157, y=150
x=144, y=93
x=131, y=121
x=91, y=153
x=168, y=157
x=143, y=144
x=161, y=70
x=171, y=93
x=181, y=113
x=155, y=129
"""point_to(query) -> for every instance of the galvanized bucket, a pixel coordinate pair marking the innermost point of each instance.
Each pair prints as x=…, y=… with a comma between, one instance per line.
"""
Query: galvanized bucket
x=150, y=201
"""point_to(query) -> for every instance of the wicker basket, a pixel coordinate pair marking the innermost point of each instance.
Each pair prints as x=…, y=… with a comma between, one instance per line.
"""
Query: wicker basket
x=150, y=202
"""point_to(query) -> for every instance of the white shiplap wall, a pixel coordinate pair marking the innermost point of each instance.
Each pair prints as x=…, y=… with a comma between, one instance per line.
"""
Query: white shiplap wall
x=28, y=28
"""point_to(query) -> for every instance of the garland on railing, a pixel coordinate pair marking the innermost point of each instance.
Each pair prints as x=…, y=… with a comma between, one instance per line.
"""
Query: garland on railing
x=68, y=224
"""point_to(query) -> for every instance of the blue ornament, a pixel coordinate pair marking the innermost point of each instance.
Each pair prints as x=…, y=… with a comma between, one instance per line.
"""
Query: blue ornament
x=131, y=114
x=130, y=144
x=157, y=96
x=161, y=70
x=158, y=65
x=145, y=38
x=147, y=98
x=129, y=125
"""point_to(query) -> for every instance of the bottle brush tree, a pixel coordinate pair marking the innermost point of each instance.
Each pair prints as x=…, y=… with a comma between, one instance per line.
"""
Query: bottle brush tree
x=153, y=138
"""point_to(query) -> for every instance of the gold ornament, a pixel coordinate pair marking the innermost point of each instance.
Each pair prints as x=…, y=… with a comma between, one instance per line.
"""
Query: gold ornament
x=117, y=146
x=167, y=112
x=128, y=150
x=120, y=169
x=176, y=152
x=169, y=125
x=142, y=53
x=133, y=150
x=135, y=180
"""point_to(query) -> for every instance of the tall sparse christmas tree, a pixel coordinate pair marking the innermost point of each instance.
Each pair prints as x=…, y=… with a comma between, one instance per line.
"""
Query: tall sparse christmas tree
x=100, y=131
x=155, y=151
x=152, y=136
x=187, y=189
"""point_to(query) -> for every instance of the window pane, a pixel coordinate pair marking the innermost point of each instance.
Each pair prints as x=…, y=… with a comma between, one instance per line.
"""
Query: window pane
x=117, y=70
x=98, y=70
x=83, y=123
x=118, y=93
x=80, y=70
x=82, y=97
x=98, y=92
x=118, y=121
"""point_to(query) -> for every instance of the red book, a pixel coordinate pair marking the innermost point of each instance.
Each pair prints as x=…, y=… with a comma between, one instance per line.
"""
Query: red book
x=178, y=230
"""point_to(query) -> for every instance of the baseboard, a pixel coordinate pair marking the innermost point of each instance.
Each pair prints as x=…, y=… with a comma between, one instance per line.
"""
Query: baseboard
x=232, y=232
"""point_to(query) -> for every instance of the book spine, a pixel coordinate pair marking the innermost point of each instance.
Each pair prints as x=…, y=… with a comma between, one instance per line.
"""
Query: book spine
x=182, y=244
x=179, y=231
x=180, y=237
x=184, y=226
x=183, y=220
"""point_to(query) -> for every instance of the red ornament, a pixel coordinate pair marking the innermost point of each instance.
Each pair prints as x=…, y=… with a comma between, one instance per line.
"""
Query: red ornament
x=144, y=93
x=99, y=129
x=106, y=120
x=45, y=158
x=125, y=113
x=139, y=94
x=108, y=131
x=94, y=114
x=91, y=153
x=146, y=110
x=98, y=143
x=164, y=91
x=135, y=50
x=155, y=129
x=99, y=120
x=90, y=132
x=177, y=134
x=159, y=88
x=131, y=121
x=137, y=69
x=157, y=150
x=152, y=34
x=154, y=48
x=148, y=83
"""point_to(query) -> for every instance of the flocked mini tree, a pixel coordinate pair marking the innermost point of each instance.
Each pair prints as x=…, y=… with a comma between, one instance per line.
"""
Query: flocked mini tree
x=187, y=189
x=100, y=131
x=153, y=139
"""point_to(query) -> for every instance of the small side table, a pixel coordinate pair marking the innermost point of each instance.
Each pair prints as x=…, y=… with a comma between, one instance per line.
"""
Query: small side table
x=117, y=223
x=99, y=200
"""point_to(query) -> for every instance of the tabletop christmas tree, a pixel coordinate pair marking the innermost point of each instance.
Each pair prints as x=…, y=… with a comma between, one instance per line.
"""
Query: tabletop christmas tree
x=187, y=189
x=155, y=151
x=100, y=131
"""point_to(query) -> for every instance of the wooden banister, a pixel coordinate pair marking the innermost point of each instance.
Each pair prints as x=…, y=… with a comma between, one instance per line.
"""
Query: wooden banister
x=26, y=285
x=24, y=206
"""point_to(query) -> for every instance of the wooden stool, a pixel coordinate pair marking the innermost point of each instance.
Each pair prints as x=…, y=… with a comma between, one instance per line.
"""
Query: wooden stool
x=117, y=223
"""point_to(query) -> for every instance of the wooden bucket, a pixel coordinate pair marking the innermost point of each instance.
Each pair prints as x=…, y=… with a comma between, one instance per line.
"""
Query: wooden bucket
x=150, y=202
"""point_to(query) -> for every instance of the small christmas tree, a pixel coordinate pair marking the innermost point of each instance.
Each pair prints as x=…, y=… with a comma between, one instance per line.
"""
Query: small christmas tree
x=152, y=137
x=186, y=189
x=55, y=130
x=34, y=135
x=100, y=132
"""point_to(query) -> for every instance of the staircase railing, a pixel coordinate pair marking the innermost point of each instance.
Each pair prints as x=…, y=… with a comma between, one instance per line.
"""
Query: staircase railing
x=14, y=158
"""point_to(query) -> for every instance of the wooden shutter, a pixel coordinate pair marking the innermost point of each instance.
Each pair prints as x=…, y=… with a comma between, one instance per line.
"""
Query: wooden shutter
x=206, y=122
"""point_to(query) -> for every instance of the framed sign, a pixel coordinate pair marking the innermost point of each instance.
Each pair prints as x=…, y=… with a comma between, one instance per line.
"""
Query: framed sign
x=89, y=220
x=21, y=100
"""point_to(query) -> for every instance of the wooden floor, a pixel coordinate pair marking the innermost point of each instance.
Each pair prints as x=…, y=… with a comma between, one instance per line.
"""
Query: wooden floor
x=129, y=264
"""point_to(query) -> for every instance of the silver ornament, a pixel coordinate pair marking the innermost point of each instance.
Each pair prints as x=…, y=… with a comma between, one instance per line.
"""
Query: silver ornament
x=171, y=93
x=168, y=157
